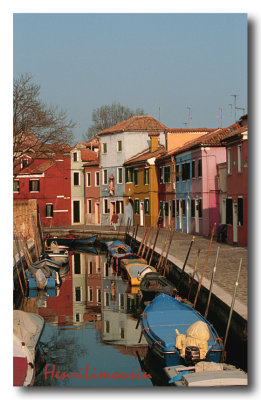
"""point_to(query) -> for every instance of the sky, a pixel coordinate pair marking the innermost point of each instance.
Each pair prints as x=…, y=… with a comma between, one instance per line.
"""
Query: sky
x=174, y=66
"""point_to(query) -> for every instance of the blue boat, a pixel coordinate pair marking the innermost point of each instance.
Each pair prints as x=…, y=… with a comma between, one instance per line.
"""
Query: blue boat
x=51, y=281
x=70, y=240
x=159, y=322
x=118, y=250
x=84, y=242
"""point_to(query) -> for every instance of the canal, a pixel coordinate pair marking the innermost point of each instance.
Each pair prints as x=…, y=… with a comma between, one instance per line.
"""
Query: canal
x=90, y=336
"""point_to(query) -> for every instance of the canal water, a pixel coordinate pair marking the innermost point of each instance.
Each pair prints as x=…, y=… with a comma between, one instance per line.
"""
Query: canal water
x=90, y=336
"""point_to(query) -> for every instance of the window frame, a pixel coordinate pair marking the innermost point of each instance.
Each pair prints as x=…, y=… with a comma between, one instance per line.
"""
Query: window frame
x=31, y=183
x=105, y=208
x=129, y=175
x=200, y=167
x=229, y=161
x=75, y=156
x=88, y=179
x=118, y=175
x=147, y=206
x=103, y=176
x=104, y=148
x=136, y=206
x=166, y=167
x=193, y=169
x=18, y=182
x=49, y=216
x=239, y=158
x=89, y=206
x=119, y=147
x=136, y=175
x=241, y=208
x=75, y=173
x=97, y=173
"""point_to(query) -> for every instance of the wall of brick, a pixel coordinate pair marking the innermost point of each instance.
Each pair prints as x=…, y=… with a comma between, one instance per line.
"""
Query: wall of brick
x=22, y=217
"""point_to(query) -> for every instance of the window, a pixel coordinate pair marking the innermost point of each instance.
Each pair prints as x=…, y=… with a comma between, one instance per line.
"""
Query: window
x=105, y=177
x=161, y=175
x=105, y=206
x=147, y=206
x=90, y=293
x=193, y=169
x=49, y=210
x=167, y=174
x=239, y=158
x=104, y=148
x=119, y=145
x=119, y=207
x=166, y=208
x=119, y=175
x=199, y=167
x=88, y=179
x=16, y=186
x=34, y=185
x=229, y=215
x=136, y=206
x=229, y=161
x=177, y=207
x=136, y=180
x=173, y=208
x=78, y=293
x=89, y=206
x=177, y=172
x=185, y=171
x=98, y=295
x=97, y=179
x=129, y=175
x=183, y=207
x=76, y=178
x=192, y=208
x=146, y=176
x=200, y=208
x=24, y=163
x=240, y=211
x=90, y=268
x=75, y=157
x=77, y=263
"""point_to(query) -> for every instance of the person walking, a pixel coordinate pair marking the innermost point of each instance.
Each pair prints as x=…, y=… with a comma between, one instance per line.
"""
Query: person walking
x=114, y=220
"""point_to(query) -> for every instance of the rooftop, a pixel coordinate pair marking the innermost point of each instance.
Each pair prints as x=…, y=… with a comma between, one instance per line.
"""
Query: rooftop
x=142, y=123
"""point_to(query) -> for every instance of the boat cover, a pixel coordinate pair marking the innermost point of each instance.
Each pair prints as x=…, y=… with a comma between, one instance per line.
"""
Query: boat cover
x=166, y=314
x=27, y=327
x=196, y=335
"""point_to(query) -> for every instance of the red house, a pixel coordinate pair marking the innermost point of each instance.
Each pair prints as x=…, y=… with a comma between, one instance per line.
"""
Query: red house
x=237, y=172
x=49, y=181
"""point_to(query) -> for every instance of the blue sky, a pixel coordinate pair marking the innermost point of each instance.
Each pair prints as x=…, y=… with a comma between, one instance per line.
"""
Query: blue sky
x=171, y=61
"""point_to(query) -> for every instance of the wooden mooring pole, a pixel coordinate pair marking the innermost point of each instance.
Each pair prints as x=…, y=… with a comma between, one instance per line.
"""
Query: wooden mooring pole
x=141, y=243
x=211, y=284
x=163, y=249
x=205, y=265
x=145, y=242
x=230, y=313
x=154, y=245
x=149, y=245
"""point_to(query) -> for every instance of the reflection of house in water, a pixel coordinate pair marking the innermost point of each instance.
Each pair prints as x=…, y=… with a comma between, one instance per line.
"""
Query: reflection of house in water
x=118, y=307
x=86, y=287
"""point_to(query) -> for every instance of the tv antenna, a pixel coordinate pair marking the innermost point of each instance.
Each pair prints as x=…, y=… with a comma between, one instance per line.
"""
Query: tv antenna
x=235, y=104
x=190, y=116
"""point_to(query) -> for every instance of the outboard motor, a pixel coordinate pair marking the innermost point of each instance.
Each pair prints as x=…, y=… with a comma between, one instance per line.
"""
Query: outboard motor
x=192, y=355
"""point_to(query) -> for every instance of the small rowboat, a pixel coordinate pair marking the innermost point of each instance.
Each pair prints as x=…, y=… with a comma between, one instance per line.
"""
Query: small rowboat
x=71, y=240
x=47, y=262
x=60, y=256
x=206, y=374
x=27, y=329
x=136, y=270
x=165, y=320
x=153, y=284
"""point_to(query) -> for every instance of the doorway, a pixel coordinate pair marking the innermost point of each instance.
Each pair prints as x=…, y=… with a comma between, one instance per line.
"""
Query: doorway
x=97, y=214
x=141, y=213
x=196, y=216
x=235, y=218
x=76, y=211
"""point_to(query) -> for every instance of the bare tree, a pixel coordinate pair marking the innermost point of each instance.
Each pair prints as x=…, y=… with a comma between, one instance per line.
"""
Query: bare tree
x=109, y=115
x=38, y=130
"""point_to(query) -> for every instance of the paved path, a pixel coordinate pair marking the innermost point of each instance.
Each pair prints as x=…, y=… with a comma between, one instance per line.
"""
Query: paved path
x=227, y=265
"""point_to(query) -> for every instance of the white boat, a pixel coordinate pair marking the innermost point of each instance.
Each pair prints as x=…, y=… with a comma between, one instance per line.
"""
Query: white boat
x=27, y=329
x=205, y=374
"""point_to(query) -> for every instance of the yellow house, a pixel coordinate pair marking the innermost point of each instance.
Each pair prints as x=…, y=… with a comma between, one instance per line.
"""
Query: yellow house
x=141, y=184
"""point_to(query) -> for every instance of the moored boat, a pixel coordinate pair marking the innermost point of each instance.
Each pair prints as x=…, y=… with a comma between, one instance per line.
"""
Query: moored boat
x=60, y=256
x=165, y=323
x=208, y=374
x=70, y=240
x=136, y=270
x=42, y=278
x=153, y=284
x=47, y=262
x=27, y=329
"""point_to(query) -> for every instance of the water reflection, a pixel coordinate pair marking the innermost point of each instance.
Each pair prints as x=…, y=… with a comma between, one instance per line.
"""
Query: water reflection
x=90, y=326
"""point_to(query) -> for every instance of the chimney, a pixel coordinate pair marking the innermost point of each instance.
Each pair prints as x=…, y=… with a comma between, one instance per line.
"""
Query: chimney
x=154, y=141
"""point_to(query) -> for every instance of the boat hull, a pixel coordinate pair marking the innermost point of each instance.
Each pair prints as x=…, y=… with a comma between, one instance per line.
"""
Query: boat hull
x=159, y=322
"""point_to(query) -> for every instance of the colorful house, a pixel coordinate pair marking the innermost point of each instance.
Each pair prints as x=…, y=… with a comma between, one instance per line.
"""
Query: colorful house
x=118, y=144
x=79, y=155
x=197, y=205
x=167, y=175
x=141, y=184
x=235, y=205
x=49, y=182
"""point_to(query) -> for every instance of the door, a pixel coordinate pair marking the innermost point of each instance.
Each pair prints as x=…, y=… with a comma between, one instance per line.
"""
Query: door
x=235, y=219
x=76, y=211
x=97, y=213
x=170, y=211
x=196, y=217
x=112, y=209
x=223, y=212
x=188, y=216
x=141, y=213
x=180, y=216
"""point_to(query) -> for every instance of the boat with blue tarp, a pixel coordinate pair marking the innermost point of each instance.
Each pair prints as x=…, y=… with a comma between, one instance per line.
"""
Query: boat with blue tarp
x=165, y=323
